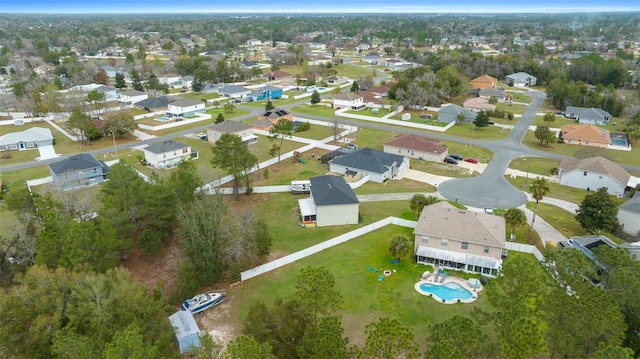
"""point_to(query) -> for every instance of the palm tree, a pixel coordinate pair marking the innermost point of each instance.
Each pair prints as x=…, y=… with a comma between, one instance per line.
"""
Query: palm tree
x=400, y=246
x=539, y=188
x=515, y=218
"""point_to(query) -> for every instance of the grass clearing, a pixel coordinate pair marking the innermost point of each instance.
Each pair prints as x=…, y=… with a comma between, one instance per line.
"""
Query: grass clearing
x=395, y=186
x=442, y=169
x=563, y=221
x=535, y=165
x=315, y=110
x=352, y=71
x=511, y=107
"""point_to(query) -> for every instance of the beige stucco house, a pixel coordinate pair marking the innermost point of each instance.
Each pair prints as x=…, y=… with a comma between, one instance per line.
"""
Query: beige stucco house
x=452, y=238
x=418, y=147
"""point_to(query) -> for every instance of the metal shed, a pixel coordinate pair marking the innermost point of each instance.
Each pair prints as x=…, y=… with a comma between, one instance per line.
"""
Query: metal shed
x=187, y=331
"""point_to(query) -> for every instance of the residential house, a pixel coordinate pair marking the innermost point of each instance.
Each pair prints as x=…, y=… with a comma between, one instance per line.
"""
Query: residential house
x=487, y=93
x=629, y=215
x=484, y=82
x=168, y=79
x=185, y=107
x=186, y=329
x=77, y=171
x=593, y=173
x=167, y=154
x=585, y=135
x=270, y=118
x=592, y=116
x=451, y=238
x=348, y=99
x=235, y=128
x=234, y=91
x=318, y=46
x=268, y=92
x=419, y=147
x=28, y=139
x=278, y=75
x=111, y=71
x=131, y=97
x=449, y=113
x=378, y=165
x=373, y=58
x=186, y=81
x=587, y=243
x=332, y=202
x=249, y=65
x=110, y=94
x=254, y=42
x=520, y=79
x=477, y=104
x=155, y=104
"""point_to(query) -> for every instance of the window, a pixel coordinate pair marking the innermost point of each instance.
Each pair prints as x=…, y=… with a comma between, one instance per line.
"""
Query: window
x=444, y=242
x=94, y=170
x=185, y=150
x=486, y=249
x=465, y=245
x=584, y=173
x=600, y=177
x=425, y=239
x=164, y=155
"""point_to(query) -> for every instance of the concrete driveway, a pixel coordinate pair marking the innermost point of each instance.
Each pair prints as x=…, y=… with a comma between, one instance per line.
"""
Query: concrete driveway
x=47, y=152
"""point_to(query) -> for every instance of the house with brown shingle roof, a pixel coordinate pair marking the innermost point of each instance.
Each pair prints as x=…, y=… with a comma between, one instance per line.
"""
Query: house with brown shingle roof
x=452, y=238
x=484, y=82
x=277, y=75
x=593, y=173
x=413, y=146
x=477, y=104
x=348, y=99
x=585, y=135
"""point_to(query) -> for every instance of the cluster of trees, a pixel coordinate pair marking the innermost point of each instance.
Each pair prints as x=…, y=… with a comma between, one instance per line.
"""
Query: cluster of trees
x=420, y=86
x=578, y=94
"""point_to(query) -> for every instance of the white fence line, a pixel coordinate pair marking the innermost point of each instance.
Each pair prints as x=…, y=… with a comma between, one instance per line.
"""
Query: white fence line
x=359, y=182
x=253, y=272
x=395, y=122
x=525, y=248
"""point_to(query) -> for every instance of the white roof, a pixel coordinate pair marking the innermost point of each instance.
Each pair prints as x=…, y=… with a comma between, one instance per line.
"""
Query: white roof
x=633, y=181
x=306, y=207
x=184, y=324
x=33, y=134
x=472, y=259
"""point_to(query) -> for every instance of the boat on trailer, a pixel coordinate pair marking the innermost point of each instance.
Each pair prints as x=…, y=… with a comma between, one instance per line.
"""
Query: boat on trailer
x=202, y=302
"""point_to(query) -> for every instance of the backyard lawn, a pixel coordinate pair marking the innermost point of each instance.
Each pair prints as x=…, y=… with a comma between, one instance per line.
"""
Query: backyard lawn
x=315, y=110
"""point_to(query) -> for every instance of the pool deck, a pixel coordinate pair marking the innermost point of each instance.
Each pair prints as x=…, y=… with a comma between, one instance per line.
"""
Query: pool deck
x=462, y=282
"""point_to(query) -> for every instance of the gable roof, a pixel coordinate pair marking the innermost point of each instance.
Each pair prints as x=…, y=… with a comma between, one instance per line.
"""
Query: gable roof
x=633, y=204
x=229, y=127
x=184, y=324
x=269, y=88
x=233, y=89
x=262, y=123
x=131, y=93
x=585, y=132
x=33, y=134
x=331, y=190
x=79, y=162
x=588, y=113
x=492, y=91
x=598, y=165
x=446, y=221
x=369, y=159
x=165, y=146
x=185, y=102
x=520, y=76
x=477, y=102
x=417, y=143
x=278, y=74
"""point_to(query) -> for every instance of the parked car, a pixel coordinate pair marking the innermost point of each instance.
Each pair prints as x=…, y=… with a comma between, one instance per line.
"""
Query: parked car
x=471, y=160
x=560, y=113
x=202, y=135
x=488, y=211
x=450, y=160
x=455, y=156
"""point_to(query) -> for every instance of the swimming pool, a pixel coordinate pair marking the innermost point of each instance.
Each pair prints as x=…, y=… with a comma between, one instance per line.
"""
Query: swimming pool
x=163, y=119
x=448, y=292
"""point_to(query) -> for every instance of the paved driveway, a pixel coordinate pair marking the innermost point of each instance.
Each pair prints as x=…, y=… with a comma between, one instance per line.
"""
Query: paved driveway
x=47, y=152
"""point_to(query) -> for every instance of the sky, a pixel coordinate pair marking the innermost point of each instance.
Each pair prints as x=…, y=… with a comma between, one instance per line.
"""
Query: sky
x=322, y=6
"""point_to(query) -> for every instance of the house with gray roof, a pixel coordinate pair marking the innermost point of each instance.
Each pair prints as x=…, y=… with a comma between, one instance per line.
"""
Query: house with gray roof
x=378, y=165
x=131, y=97
x=593, y=173
x=28, y=139
x=332, y=202
x=487, y=93
x=235, y=128
x=449, y=113
x=77, y=171
x=234, y=91
x=185, y=107
x=629, y=215
x=168, y=154
x=592, y=116
x=520, y=79
x=451, y=238
x=155, y=104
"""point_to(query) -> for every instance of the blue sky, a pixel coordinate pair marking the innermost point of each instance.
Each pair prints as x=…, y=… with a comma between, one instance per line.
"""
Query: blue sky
x=302, y=6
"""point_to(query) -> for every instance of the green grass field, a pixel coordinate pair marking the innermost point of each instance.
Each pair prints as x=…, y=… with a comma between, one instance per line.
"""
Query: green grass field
x=511, y=107
x=314, y=110
x=535, y=165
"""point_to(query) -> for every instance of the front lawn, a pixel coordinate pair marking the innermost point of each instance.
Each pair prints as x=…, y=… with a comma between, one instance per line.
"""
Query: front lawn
x=468, y=130
x=563, y=221
x=315, y=110
x=520, y=97
x=535, y=165
x=442, y=169
x=511, y=107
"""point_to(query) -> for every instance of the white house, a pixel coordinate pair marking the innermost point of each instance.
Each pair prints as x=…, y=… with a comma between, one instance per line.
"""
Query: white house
x=332, y=202
x=185, y=107
x=629, y=215
x=235, y=128
x=592, y=116
x=168, y=79
x=350, y=100
x=593, y=173
x=449, y=237
x=520, y=79
x=378, y=165
x=31, y=138
x=167, y=154
x=131, y=97
x=234, y=91
x=110, y=94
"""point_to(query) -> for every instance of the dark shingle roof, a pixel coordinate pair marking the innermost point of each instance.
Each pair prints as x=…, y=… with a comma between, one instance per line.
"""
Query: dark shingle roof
x=77, y=162
x=369, y=159
x=331, y=190
x=632, y=205
x=156, y=102
x=228, y=127
x=165, y=146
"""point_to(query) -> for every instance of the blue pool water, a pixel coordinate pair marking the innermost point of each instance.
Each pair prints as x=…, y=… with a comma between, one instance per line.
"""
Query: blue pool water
x=163, y=119
x=447, y=291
